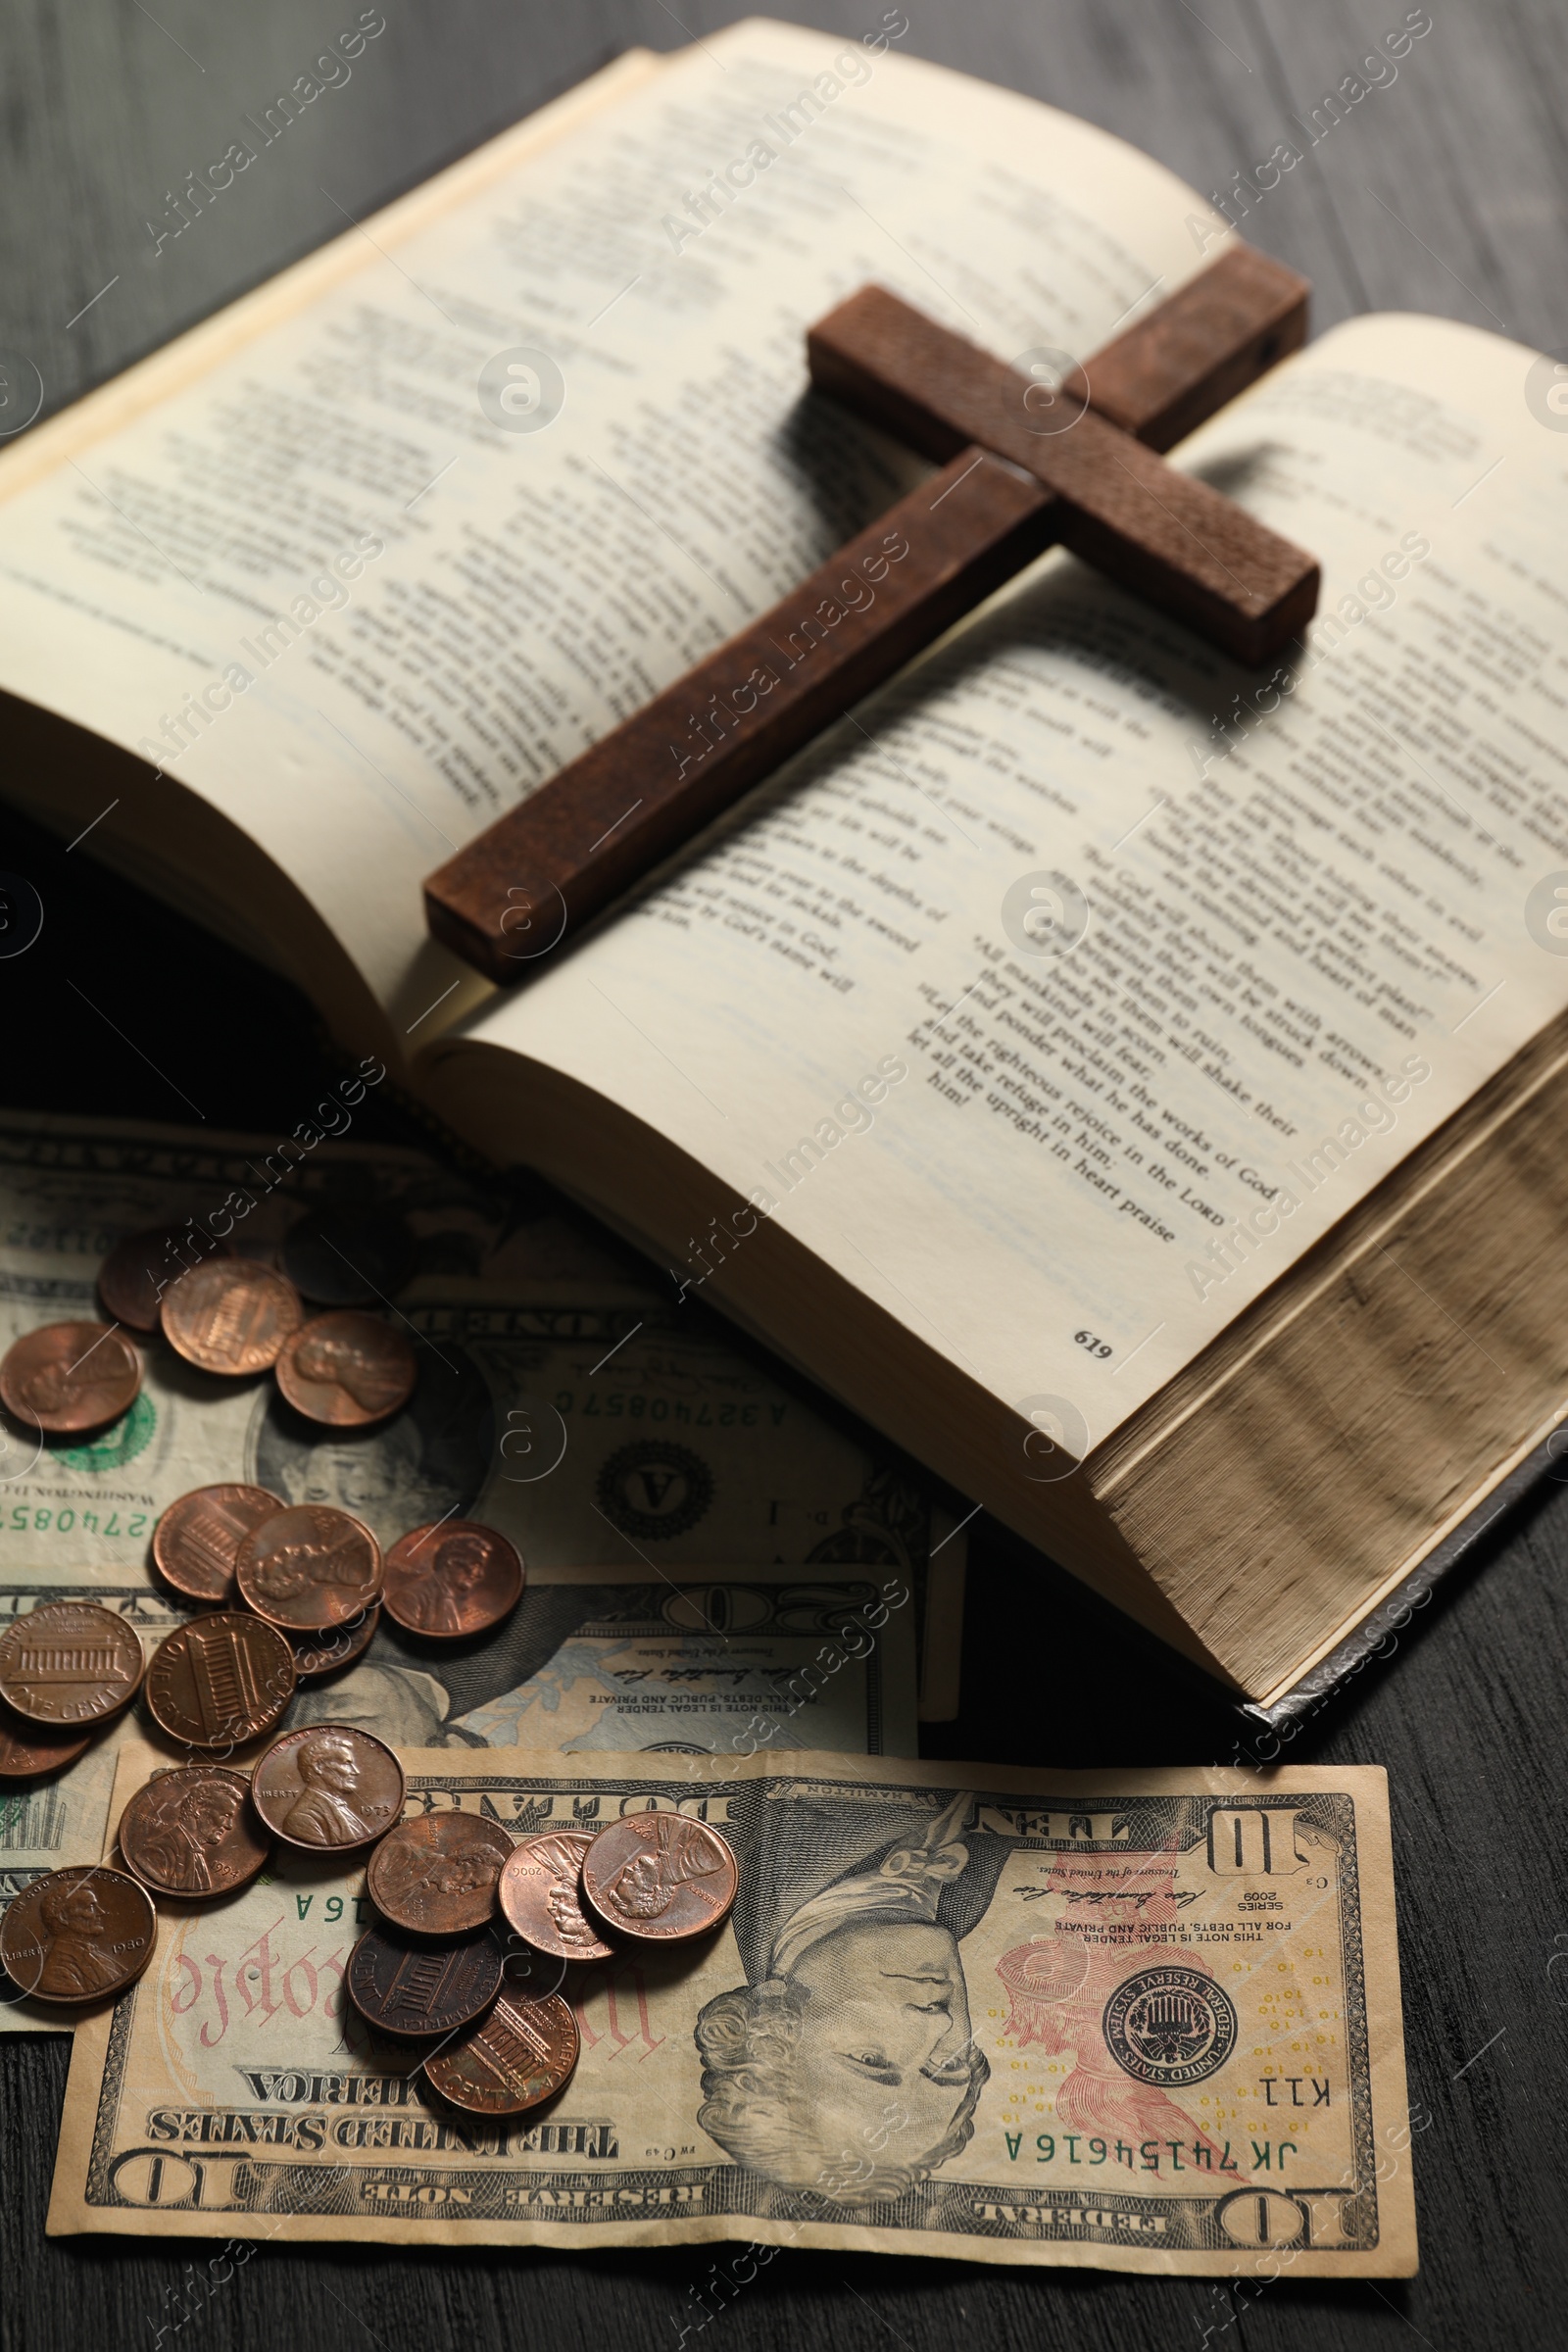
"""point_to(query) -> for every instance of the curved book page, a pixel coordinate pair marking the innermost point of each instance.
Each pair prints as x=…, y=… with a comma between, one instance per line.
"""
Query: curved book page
x=382, y=547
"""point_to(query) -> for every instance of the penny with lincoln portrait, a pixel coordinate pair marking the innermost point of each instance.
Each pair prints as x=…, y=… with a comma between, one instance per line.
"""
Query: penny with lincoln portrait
x=538, y=1894
x=193, y=1832
x=660, y=1877
x=230, y=1315
x=67, y=1377
x=70, y=1663
x=436, y=1874
x=28, y=1750
x=517, y=2056
x=221, y=1681
x=196, y=1542
x=309, y=1568
x=452, y=1578
x=347, y=1369
x=327, y=1787
x=407, y=1986
x=78, y=1935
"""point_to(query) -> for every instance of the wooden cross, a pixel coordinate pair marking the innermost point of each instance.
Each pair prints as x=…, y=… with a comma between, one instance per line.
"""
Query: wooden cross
x=1024, y=465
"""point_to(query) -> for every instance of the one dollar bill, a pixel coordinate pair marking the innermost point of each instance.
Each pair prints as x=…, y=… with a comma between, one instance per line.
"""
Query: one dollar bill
x=1146, y=2020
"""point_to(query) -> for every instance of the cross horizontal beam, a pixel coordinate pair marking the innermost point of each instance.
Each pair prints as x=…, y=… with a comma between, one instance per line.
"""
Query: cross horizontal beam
x=548, y=865
x=1163, y=534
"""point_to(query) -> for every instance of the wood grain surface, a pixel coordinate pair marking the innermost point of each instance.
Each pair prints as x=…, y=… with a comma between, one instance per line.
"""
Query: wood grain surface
x=1446, y=191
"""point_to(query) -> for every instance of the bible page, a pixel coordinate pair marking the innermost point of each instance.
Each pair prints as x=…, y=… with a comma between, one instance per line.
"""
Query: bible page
x=1081, y=979
x=386, y=566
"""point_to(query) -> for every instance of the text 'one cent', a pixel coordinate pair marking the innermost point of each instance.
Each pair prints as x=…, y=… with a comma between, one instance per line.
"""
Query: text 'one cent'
x=518, y=2055
x=221, y=1681
x=70, y=1663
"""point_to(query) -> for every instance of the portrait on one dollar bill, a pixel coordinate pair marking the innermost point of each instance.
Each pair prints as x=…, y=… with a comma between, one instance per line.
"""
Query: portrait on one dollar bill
x=1147, y=2019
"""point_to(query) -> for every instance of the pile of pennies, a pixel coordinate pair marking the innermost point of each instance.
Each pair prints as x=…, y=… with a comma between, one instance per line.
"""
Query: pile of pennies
x=295, y=1593
x=470, y=1925
x=229, y=1315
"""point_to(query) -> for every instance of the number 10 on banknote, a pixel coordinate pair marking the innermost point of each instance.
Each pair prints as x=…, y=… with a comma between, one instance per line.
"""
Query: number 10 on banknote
x=1142, y=2020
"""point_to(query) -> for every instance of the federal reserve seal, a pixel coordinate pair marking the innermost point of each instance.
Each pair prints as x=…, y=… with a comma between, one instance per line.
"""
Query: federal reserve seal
x=1169, y=2026
x=653, y=1488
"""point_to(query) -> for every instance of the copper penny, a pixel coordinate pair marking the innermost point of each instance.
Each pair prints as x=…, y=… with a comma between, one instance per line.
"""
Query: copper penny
x=70, y=1376
x=347, y=1369
x=141, y=1267
x=319, y=1654
x=78, y=1935
x=327, y=1787
x=521, y=2053
x=660, y=1877
x=193, y=1832
x=70, y=1663
x=436, y=1874
x=28, y=1750
x=309, y=1568
x=407, y=1986
x=230, y=1315
x=196, y=1542
x=452, y=1578
x=538, y=1894
x=221, y=1681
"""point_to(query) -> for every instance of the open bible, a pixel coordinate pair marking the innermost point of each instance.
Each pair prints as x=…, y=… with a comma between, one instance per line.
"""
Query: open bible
x=1130, y=1080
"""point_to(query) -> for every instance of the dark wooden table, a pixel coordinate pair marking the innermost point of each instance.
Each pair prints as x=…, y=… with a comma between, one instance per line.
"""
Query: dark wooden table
x=1446, y=191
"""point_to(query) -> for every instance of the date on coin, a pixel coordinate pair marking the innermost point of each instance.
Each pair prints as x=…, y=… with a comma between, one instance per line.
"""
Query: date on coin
x=327, y=1787
x=192, y=1833
x=28, y=1750
x=538, y=1894
x=660, y=1877
x=436, y=1875
x=78, y=1935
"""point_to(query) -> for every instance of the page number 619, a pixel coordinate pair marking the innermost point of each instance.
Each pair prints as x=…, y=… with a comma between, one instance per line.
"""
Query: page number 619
x=1100, y=1347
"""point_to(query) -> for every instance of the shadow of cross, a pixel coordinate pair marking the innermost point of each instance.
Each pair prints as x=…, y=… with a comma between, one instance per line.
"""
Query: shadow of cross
x=1026, y=462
